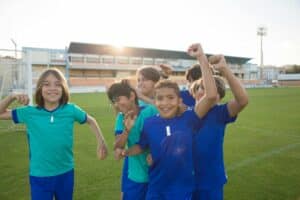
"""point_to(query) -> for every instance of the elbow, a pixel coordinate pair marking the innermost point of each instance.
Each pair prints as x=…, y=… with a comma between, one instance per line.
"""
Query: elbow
x=90, y=119
x=244, y=102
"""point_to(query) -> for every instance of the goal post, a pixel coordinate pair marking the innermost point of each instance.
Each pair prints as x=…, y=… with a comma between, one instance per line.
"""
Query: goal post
x=15, y=77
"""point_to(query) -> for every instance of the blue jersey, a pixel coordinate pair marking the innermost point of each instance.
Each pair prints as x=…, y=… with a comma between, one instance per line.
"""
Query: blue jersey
x=170, y=144
x=187, y=98
x=50, y=137
x=208, y=148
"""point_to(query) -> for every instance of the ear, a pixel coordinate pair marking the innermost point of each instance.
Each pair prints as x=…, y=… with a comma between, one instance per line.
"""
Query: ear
x=132, y=96
x=180, y=100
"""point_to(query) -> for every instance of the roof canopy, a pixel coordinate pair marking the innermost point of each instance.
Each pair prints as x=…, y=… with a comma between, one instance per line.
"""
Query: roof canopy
x=100, y=49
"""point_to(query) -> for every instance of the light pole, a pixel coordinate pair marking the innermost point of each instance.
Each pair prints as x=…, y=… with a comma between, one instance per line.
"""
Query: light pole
x=15, y=44
x=261, y=31
x=15, y=73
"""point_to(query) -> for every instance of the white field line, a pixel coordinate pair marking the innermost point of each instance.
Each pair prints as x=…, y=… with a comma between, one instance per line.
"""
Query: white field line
x=289, y=133
x=262, y=156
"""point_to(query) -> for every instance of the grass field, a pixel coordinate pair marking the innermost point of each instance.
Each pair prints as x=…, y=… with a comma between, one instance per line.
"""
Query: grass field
x=262, y=151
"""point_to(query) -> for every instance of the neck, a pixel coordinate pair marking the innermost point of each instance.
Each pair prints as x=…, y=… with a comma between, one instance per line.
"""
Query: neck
x=136, y=109
x=51, y=106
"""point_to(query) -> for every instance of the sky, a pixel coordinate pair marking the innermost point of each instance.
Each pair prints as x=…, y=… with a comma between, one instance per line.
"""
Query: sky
x=226, y=27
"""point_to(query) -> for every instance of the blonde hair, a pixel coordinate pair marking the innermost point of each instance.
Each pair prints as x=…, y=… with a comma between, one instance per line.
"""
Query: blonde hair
x=39, y=100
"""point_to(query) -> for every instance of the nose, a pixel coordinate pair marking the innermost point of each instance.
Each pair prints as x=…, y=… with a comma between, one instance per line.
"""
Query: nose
x=164, y=101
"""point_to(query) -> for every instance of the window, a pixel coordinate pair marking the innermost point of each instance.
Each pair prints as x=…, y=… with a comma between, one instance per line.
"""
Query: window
x=77, y=58
x=136, y=60
x=122, y=60
x=92, y=59
x=148, y=61
x=108, y=59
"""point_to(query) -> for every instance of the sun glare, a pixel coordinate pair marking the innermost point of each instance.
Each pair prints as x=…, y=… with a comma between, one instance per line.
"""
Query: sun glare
x=118, y=47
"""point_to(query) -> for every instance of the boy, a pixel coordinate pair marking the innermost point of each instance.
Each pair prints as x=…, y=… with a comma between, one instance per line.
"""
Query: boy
x=128, y=127
x=208, y=142
x=169, y=136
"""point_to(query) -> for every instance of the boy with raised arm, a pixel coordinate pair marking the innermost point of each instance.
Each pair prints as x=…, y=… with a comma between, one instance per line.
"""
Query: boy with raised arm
x=169, y=135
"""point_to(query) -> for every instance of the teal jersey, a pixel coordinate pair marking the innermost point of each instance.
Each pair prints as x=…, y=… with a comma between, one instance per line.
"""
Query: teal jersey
x=119, y=119
x=137, y=165
x=50, y=137
x=143, y=103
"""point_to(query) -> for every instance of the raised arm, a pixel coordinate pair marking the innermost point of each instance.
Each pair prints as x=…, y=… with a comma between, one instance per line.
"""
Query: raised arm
x=210, y=96
x=240, y=100
x=102, y=147
x=5, y=113
x=166, y=70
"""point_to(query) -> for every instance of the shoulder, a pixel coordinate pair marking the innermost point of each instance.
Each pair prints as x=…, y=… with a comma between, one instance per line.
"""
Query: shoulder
x=184, y=92
x=219, y=108
x=71, y=106
x=28, y=108
x=119, y=115
x=153, y=119
x=148, y=110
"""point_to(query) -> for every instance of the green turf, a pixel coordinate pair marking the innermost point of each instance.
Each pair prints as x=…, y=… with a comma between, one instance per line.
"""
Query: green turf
x=262, y=151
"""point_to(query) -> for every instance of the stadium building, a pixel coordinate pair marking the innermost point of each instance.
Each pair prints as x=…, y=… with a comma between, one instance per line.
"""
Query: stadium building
x=99, y=65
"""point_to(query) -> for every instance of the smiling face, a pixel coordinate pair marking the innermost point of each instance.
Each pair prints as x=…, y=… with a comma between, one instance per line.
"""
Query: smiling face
x=124, y=104
x=51, y=91
x=122, y=96
x=167, y=102
x=146, y=86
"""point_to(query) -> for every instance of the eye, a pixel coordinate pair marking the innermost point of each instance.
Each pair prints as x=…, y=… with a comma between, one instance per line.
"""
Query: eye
x=115, y=100
x=159, y=98
x=45, y=84
x=171, y=97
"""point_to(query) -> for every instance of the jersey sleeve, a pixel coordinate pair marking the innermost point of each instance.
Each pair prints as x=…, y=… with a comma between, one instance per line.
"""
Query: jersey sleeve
x=19, y=115
x=224, y=115
x=119, y=126
x=79, y=115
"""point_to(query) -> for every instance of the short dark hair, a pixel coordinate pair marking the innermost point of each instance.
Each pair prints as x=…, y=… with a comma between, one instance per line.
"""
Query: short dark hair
x=193, y=73
x=122, y=88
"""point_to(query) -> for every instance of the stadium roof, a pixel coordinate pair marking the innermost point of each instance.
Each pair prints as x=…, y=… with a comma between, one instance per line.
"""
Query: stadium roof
x=101, y=49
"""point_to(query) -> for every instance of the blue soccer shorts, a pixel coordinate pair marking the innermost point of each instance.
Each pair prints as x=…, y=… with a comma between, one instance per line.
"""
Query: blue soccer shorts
x=45, y=188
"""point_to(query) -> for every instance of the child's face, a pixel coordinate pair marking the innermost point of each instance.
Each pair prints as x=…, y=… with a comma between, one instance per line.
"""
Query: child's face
x=167, y=102
x=145, y=86
x=51, y=90
x=123, y=104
